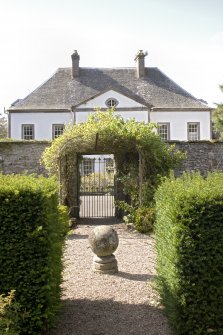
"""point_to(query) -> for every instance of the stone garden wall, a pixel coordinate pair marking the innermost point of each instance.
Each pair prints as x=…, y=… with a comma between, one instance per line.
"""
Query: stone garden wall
x=202, y=156
x=20, y=156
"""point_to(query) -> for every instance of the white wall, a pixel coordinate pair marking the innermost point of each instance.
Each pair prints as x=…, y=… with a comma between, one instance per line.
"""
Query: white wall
x=178, y=123
x=123, y=102
x=100, y=100
x=42, y=123
x=140, y=116
x=177, y=119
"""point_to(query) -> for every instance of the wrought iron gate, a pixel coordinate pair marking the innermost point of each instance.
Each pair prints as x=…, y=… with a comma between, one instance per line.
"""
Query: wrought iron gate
x=97, y=186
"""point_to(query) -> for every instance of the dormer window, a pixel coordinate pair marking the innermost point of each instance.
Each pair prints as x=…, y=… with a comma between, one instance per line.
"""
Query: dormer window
x=111, y=102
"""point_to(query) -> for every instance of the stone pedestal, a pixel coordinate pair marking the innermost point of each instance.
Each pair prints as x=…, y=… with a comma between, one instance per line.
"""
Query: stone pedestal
x=105, y=264
x=104, y=241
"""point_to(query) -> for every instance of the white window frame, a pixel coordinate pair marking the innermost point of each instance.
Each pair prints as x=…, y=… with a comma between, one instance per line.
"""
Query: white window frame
x=87, y=166
x=165, y=136
x=109, y=164
x=28, y=134
x=57, y=132
x=193, y=131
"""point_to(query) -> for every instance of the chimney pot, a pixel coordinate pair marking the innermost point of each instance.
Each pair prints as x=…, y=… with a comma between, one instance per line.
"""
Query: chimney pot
x=75, y=64
x=140, y=63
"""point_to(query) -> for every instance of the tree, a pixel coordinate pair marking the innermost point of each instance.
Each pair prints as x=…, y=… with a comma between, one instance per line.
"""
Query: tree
x=218, y=118
x=3, y=126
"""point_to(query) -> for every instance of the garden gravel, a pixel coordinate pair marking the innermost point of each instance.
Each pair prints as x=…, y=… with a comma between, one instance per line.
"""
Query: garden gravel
x=101, y=304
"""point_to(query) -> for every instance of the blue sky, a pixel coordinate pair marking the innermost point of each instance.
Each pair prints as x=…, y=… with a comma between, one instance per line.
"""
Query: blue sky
x=184, y=38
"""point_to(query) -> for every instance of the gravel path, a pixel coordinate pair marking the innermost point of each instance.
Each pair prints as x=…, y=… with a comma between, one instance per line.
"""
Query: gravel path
x=124, y=303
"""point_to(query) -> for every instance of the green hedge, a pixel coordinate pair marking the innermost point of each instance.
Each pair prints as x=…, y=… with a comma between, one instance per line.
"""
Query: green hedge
x=32, y=234
x=189, y=242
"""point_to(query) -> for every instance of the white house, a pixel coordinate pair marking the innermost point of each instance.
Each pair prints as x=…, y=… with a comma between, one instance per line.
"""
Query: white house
x=143, y=93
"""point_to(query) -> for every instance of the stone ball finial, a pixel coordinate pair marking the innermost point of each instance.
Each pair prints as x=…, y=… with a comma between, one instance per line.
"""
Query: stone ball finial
x=104, y=241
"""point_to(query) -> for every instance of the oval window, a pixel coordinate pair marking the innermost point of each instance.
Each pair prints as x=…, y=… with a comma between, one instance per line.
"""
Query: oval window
x=111, y=102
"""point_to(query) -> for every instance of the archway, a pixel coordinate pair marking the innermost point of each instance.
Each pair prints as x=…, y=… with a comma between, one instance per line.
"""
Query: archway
x=141, y=158
x=70, y=183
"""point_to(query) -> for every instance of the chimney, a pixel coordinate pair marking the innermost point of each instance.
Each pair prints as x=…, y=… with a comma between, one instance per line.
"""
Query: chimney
x=140, y=63
x=75, y=64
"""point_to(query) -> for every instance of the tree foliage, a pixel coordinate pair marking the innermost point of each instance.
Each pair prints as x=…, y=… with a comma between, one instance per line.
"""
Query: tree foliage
x=3, y=126
x=218, y=118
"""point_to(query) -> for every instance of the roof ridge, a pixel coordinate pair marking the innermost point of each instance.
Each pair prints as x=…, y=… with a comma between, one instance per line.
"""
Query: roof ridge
x=106, y=68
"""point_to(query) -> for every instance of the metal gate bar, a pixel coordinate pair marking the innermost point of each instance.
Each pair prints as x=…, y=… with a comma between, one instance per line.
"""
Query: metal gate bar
x=97, y=186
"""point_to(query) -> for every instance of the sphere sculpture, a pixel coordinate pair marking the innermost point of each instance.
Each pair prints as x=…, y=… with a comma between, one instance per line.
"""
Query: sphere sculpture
x=104, y=241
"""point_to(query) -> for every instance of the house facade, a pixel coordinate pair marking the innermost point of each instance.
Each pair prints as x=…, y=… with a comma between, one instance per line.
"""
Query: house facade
x=143, y=93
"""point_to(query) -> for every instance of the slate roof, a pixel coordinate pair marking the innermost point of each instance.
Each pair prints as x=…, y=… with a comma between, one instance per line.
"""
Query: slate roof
x=61, y=91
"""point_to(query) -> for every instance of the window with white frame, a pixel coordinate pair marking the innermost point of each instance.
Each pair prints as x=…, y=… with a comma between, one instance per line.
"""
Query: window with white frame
x=28, y=131
x=87, y=166
x=193, y=131
x=57, y=130
x=164, y=131
x=109, y=165
x=111, y=102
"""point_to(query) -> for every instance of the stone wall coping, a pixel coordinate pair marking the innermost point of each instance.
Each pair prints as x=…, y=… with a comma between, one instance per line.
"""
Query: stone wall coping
x=50, y=141
x=11, y=141
x=196, y=142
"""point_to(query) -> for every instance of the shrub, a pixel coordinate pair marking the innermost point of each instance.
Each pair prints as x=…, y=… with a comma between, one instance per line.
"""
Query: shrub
x=32, y=234
x=141, y=217
x=128, y=211
x=189, y=242
x=144, y=217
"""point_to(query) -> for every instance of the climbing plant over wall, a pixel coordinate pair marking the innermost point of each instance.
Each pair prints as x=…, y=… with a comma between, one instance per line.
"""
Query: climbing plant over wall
x=132, y=143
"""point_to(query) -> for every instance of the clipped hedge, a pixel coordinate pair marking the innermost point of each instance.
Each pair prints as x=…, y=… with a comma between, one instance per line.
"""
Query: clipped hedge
x=32, y=234
x=189, y=242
